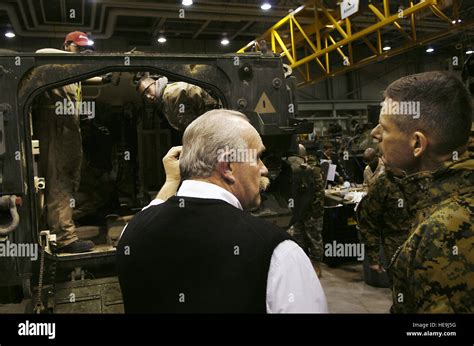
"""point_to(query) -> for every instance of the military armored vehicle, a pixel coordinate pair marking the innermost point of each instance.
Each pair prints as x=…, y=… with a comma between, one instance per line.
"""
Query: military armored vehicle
x=124, y=140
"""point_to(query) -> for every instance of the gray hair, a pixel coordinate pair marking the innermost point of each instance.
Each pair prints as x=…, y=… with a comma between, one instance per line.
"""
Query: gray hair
x=205, y=137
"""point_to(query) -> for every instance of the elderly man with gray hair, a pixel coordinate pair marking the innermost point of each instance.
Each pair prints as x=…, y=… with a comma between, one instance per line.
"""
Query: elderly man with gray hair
x=201, y=251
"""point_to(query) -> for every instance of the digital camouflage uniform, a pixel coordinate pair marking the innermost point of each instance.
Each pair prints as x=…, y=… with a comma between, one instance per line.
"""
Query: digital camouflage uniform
x=308, y=231
x=183, y=102
x=433, y=272
x=384, y=218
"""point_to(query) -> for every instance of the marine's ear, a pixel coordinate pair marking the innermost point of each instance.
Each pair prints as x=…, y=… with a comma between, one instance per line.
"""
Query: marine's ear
x=419, y=143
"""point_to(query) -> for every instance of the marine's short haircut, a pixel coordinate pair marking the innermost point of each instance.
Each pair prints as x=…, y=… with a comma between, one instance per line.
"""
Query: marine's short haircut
x=445, y=108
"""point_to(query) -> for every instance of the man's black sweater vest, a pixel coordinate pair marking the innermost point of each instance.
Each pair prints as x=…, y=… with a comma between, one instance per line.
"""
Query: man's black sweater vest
x=196, y=255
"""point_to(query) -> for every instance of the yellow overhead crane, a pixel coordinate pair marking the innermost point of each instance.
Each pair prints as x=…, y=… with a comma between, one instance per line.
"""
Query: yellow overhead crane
x=325, y=36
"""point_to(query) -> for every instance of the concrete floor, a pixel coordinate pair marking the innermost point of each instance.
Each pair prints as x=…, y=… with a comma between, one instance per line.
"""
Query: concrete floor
x=13, y=308
x=344, y=286
x=346, y=291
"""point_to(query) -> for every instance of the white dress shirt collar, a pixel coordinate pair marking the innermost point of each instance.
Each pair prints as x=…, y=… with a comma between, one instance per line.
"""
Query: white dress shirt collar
x=202, y=189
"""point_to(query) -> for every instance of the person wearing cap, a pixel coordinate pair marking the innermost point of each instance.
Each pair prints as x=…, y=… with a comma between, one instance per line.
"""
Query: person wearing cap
x=76, y=42
x=61, y=151
x=180, y=102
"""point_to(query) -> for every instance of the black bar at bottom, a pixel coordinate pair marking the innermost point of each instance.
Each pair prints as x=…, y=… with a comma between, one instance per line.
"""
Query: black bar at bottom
x=224, y=329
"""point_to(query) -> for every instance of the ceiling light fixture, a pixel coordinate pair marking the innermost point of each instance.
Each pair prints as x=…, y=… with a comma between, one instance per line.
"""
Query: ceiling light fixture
x=225, y=41
x=429, y=50
x=266, y=6
x=10, y=34
x=187, y=2
x=161, y=39
x=298, y=9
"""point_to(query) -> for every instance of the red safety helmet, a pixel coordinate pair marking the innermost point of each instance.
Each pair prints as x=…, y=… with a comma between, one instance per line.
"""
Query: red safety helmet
x=77, y=37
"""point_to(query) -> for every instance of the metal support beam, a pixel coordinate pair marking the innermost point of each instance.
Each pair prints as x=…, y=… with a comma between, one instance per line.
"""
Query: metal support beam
x=413, y=23
x=309, y=44
x=292, y=37
x=336, y=104
x=331, y=19
x=283, y=46
x=158, y=25
x=393, y=52
x=245, y=27
x=202, y=28
x=383, y=18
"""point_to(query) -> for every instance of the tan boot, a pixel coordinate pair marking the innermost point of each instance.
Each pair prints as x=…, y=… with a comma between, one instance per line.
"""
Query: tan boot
x=317, y=269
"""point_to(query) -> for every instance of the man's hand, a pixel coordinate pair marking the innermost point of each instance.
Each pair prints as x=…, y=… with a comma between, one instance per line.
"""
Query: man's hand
x=111, y=78
x=173, y=178
x=377, y=267
x=107, y=78
x=171, y=164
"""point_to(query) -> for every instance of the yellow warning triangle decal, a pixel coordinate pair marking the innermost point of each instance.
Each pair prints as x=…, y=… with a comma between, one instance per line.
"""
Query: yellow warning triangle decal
x=264, y=105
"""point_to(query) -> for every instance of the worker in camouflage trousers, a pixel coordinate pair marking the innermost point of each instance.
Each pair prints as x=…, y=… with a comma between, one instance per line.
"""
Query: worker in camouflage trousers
x=307, y=231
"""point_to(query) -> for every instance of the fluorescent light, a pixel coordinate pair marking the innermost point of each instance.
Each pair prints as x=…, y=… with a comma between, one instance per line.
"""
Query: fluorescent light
x=187, y=2
x=161, y=39
x=469, y=51
x=10, y=34
x=386, y=45
x=298, y=9
x=429, y=50
x=225, y=41
x=266, y=6
x=90, y=42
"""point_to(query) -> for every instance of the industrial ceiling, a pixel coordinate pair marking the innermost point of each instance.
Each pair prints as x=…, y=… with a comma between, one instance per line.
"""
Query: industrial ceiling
x=141, y=22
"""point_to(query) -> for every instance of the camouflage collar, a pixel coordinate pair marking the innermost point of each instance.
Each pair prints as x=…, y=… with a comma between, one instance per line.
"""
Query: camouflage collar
x=427, y=188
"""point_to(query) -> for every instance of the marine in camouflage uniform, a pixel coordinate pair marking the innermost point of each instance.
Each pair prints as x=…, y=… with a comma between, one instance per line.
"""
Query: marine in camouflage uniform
x=308, y=231
x=183, y=102
x=384, y=218
x=433, y=272
x=180, y=102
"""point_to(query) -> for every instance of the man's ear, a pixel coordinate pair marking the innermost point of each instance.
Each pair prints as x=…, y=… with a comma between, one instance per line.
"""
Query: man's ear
x=224, y=169
x=419, y=143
